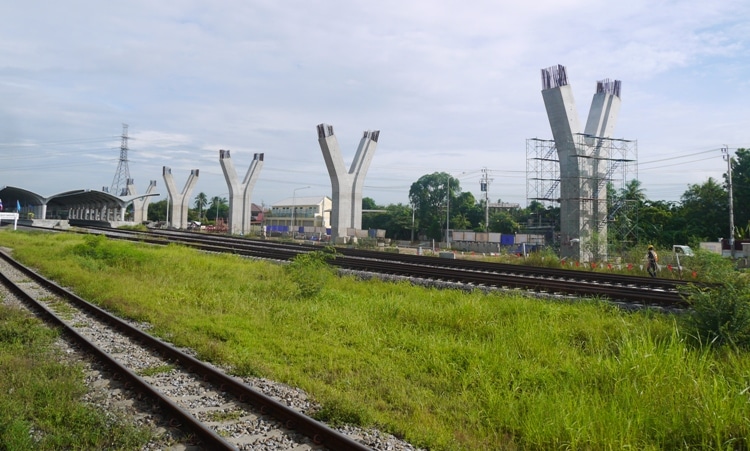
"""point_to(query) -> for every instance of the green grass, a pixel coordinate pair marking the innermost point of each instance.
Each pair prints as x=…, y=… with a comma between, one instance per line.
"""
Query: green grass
x=40, y=406
x=444, y=369
x=154, y=370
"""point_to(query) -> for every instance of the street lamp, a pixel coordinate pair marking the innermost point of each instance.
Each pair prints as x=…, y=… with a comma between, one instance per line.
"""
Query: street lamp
x=294, y=204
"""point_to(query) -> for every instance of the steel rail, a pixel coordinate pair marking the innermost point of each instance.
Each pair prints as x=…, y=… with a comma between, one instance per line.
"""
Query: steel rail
x=318, y=432
x=571, y=275
x=550, y=280
x=578, y=283
x=206, y=436
x=551, y=286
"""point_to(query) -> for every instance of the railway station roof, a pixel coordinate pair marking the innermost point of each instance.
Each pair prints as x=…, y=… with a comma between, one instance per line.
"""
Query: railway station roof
x=62, y=200
x=11, y=194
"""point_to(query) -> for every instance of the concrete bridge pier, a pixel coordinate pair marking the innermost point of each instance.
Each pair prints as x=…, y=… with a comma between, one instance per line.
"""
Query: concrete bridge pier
x=140, y=205
x=583, y=163
x=346, y=211
x=240, y=194
x=180, y=200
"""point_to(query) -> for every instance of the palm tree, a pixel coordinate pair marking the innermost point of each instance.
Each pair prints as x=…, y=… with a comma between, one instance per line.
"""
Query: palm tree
x=201, y=201
x=634, y=191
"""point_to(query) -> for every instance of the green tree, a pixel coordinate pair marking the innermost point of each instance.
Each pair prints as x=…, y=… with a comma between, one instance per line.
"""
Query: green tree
x=741, y=188
x=503, y=222
x=535, y=210
x=633, y=191
x=623, y=208
x=705, y=211
x=201, y=202
x=219, y=208
x=467, y=213
x=396, y=220
x=157, y=211
x=369, y=204
x=656, y=224
x=430, y=194
x=538, y=219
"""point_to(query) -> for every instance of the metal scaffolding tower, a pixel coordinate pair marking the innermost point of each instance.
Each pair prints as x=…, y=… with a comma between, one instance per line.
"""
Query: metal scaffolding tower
x=616, y=165
x=122, y=175
x=542, y=172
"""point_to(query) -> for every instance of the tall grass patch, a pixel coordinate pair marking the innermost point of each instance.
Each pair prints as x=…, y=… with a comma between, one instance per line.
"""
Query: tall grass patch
x=40, y=406
x=447, y=370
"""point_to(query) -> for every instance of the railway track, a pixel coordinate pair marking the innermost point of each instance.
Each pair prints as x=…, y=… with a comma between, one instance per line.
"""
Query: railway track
x=228, y=397
x=624, y=289
x=215, y=410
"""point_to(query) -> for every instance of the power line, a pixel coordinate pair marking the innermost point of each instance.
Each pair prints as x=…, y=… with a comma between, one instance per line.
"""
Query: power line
x=679, y=156
x=58, y=142
x=673, y=164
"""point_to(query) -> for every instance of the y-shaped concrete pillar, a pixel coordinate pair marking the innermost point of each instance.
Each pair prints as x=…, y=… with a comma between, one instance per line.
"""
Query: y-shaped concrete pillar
x=240, y=195
x=180, y=201
x=140, y=205
x=346, y=211
x=583, y=192
x=605, y=107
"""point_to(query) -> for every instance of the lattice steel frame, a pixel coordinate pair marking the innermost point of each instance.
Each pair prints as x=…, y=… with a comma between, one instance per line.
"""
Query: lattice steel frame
x=616, y=164
x=542, y=172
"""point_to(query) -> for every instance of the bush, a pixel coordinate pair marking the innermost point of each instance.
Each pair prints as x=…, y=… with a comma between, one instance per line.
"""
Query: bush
x=99, y=251
x=720, y=313
x=709, y=267
x=546, y=258
x=136, y=227
x=311, y=272
x=367, y=243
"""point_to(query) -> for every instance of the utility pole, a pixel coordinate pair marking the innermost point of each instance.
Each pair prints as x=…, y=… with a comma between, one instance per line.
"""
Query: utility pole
x=485, y=186
x=412, y=223
x=725, y=151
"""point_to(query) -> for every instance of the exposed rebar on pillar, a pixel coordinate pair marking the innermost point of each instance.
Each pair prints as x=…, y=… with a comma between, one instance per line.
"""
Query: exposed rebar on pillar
x=346, y=185
x=605, y=106
x=240, y=195
x=180, y=200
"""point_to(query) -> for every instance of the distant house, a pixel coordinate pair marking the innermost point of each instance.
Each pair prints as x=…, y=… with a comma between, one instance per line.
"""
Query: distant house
x=295, y=212
x=256, y=214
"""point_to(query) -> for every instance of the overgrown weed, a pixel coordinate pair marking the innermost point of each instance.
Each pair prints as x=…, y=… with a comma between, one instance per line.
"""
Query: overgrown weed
x=526, y=373
x=311, y=272
x=40, y=408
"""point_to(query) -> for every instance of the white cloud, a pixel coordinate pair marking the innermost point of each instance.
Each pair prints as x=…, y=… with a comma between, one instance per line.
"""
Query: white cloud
x=452, y=86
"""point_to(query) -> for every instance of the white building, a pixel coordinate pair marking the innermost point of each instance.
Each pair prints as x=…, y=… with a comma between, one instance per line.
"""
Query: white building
x=296, y=212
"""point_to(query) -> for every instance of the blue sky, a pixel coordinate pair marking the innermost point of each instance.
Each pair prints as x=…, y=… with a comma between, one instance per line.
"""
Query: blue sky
x=452, y=86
